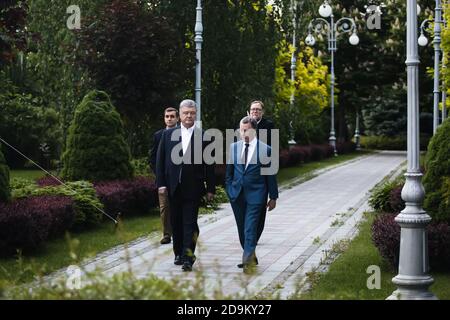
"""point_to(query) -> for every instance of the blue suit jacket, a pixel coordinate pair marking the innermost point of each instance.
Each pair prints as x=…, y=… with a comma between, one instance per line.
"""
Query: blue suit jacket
x=249, y=180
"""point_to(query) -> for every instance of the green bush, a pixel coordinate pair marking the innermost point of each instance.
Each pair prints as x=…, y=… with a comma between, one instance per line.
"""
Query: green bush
x=437, y=174
x=20, y=183
x=142, y=168
x=96, y=147
x=86, y=203
x=28, y=124
x=391, y=143
x=381, y=198
x=5, y=192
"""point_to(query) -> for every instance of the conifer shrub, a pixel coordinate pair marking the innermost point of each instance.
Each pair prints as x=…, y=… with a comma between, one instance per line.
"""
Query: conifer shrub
x=96, y=149
x=436, y=180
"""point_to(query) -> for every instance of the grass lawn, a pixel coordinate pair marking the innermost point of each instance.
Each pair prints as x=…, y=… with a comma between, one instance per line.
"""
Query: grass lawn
x=27, y=174
x=56, y=253
x=347, y=276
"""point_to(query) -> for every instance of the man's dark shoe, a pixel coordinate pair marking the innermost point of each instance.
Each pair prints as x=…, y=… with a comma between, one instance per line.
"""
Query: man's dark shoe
x=178, y=261
x=241, y=265
x=187, y=266
x=249, y=268
x=165, y=240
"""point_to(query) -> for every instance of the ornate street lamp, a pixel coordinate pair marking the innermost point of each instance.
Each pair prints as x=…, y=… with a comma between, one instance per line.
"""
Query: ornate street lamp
x=444, y=67
x=343, y=25
x=413, y=278
x=293, y=66
x=423, y=41
x=198, y=65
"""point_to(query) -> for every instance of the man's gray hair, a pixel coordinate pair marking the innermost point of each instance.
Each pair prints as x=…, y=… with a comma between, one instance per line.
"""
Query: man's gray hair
x=188, y=103
x=248, y=119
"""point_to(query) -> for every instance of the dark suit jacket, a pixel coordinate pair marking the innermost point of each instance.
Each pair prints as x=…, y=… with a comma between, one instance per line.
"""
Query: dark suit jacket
x=187, y=175
x=268, y=125
x=154, y=150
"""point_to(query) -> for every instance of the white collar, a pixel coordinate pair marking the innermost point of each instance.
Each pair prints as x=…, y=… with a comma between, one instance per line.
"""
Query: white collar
x=251, y=143
x=188, y=129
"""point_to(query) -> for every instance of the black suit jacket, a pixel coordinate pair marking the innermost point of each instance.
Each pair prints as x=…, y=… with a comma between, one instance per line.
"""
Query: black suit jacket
x=154, y=150
x=268, y=125
x=187, y=176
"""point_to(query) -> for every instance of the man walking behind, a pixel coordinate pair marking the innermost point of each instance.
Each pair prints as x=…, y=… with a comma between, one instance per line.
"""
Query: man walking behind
x=171, y=120
x=264, y=129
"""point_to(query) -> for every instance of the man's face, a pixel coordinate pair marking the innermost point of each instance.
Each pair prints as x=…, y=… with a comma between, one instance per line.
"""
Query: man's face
x=187, y=116
x=170, y=119
x=247, y=132
x=256, y=111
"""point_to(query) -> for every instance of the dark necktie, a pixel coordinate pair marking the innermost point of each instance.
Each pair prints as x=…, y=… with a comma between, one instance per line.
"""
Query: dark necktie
x=246, y=154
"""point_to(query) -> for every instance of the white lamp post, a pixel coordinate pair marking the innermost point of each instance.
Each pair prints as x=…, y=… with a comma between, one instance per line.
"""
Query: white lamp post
x=346, y=25
x=198, y=65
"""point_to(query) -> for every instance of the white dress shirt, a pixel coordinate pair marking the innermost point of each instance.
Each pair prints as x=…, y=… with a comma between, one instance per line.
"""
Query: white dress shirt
x=186, y=134
x=251, y=150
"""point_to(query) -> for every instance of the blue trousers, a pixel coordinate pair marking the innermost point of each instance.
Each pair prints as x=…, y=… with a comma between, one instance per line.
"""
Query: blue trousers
x=247, y=220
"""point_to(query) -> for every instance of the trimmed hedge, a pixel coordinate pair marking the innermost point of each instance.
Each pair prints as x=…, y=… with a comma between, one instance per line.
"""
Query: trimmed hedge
x=391, y=143
x=5, y=192
x=436, y=180
x=86, y=204
x=96, y=147
x=127, y=196
x=396, y=202
x=386, y=237
x=48, y=211
x=26, y=223
x=48, y=181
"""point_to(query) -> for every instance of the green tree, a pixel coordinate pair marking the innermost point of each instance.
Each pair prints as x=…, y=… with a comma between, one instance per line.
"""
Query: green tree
x=26, y=124
x=12, y=30
x=437, y=174
x=238, y=57
x=96, y=147
x=5, y=192
x=311, y=95
x=372, y=74
x=136, y=56
x=52, y=72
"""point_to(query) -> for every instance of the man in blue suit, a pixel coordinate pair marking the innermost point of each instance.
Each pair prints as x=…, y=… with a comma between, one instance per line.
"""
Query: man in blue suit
x=247, y=188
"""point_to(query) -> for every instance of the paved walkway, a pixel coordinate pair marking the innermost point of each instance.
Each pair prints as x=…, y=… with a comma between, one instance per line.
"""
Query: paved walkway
x=309, y=218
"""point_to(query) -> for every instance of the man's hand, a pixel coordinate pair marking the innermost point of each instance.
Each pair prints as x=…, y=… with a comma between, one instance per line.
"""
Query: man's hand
x=210, y=196
x=272, y=204
x=162, y=190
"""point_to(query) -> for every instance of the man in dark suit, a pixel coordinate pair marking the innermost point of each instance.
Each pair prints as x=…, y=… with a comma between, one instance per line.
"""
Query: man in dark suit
x=247, y=187
x=171, y=120
x=182, y=172
x=263, y=124
x=264, y=128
